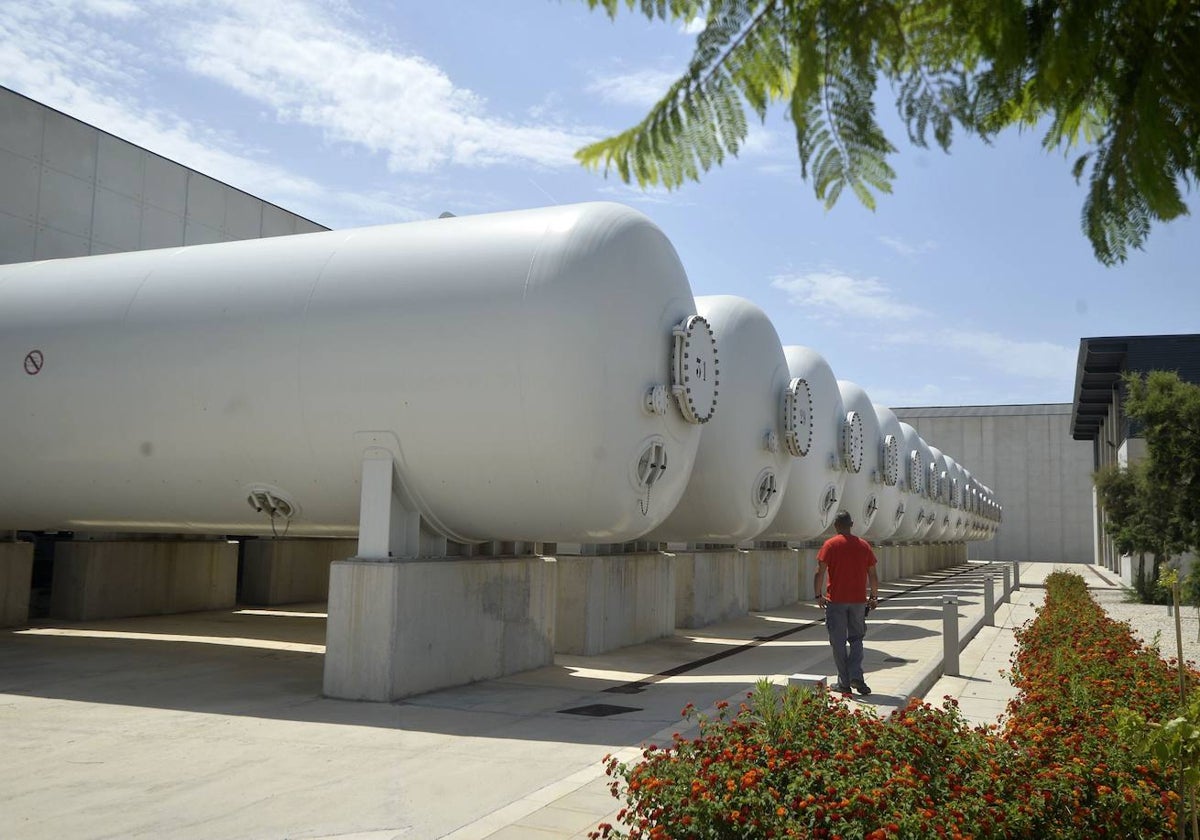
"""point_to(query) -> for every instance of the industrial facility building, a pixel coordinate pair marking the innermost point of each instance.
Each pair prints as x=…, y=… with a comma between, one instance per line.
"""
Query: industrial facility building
x=1098, y=419
x=69, y=189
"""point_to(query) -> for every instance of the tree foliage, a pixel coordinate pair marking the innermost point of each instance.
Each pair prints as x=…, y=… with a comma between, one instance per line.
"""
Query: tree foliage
x=1117, y=79
x=1167, y=412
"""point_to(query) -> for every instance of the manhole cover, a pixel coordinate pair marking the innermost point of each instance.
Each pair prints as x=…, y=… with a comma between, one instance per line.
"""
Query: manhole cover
x=599, y=710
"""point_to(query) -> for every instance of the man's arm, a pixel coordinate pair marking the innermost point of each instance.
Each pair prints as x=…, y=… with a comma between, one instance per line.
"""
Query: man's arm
x=819, y=580
x=873, y=579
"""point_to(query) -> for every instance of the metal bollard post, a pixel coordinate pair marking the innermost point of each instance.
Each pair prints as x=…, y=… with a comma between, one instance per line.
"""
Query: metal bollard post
x=1007, y=584
x=989, y=599
x=1016, y=564
x=950, y=636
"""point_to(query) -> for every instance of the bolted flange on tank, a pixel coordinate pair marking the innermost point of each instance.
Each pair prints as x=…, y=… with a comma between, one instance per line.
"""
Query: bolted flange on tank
x=861, y=443
x=534, y=375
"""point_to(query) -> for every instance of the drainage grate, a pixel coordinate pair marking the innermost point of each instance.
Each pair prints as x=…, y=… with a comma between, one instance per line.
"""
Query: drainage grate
x=599, y=710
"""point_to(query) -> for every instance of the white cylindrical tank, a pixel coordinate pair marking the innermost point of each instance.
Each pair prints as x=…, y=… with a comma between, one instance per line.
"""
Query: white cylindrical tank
x=954, y=481
x=914, y=469
x=861, y=444
x=939, y=495
x=743, y=466
x=889, y=492
x=519, y=366
x=813, y=421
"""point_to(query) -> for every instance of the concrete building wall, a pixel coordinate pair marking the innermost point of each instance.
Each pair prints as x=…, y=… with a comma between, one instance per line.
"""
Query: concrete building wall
x=68, y=189
x=1026, y=455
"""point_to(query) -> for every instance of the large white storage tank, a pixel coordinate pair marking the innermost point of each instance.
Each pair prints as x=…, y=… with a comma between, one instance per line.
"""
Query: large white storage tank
x=889, y=494
x=743, y=466
x=813, y=418
x=860, y=455
x=914, y=470
x=939, y=496
x=519, y=366
x=954, y=481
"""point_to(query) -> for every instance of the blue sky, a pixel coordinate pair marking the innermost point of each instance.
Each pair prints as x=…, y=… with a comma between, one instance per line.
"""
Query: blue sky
x=971, y=284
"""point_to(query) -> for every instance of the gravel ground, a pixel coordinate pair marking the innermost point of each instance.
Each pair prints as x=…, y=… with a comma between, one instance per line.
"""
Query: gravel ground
x=1148, y=620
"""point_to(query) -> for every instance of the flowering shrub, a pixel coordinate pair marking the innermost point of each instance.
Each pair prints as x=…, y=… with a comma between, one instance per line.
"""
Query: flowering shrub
x=807, y=764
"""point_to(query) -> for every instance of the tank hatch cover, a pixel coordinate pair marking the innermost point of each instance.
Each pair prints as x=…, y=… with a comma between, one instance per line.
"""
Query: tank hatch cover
x=852, y=441
x=797, y=417
x=695, y=376
x=891, y=460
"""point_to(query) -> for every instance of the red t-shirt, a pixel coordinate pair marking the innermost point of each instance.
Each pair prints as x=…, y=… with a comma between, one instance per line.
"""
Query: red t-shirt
x=846, y=559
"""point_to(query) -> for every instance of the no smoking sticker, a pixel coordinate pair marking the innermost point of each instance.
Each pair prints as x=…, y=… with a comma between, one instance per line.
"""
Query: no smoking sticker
x=33, y=362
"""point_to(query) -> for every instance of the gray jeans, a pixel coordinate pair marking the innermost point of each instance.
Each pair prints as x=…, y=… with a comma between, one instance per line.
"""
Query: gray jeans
x=846, y=624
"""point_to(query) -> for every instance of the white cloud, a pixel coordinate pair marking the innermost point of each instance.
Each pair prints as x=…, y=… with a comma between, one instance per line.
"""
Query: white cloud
x=308, y=69
x=693, y=27
x=826, y=293
x=641, y=88
x=649, y=195
x=906, y=249
x=1027, y=359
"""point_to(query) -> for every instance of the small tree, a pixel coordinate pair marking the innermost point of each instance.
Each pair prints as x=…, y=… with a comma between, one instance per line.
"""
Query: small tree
x=1138, y=519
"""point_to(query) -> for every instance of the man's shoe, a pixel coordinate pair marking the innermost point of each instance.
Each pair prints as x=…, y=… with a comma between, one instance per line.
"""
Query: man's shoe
x=842, y=688
x=862, y=687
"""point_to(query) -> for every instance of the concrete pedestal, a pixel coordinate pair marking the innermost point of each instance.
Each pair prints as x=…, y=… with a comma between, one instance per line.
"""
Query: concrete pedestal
x=887, y=562
x=773, y=577
x=710, y=586
x=16, y=571
x=808, y=568
x=290, y=571
x=114, y=579
x=609, y=602
x=402, y=627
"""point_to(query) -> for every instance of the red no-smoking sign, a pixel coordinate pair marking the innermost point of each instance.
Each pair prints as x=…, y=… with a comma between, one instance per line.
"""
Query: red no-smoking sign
x=34, y=361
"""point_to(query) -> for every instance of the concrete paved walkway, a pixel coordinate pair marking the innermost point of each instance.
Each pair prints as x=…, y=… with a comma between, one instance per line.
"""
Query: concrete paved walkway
x=212, y=725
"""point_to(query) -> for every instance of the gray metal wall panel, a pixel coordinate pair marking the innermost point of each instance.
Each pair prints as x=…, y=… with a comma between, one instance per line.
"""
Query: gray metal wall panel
x=243, y=215
x=165, y=185
x=54, y=244
x=276, y=222
x=305, y=226
x=70, y=146
x=17, y=236
x=65, y=203
x=120, y=167
x=118, y=221
x=195, y=233
x=19, y=178
x=205, y=204
x=22, y=124
x=161, y=229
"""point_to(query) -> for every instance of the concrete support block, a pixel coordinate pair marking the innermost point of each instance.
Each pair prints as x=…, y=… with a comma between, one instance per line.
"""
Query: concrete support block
x=290, y=571
x=402, y=627
x=773, y=577
x=807, y=560
x=710, y=586
x=609, y=602
x=114, y=579
x=16, y=572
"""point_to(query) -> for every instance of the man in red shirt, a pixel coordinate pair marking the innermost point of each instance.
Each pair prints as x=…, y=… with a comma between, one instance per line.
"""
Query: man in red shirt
x=851, y=566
